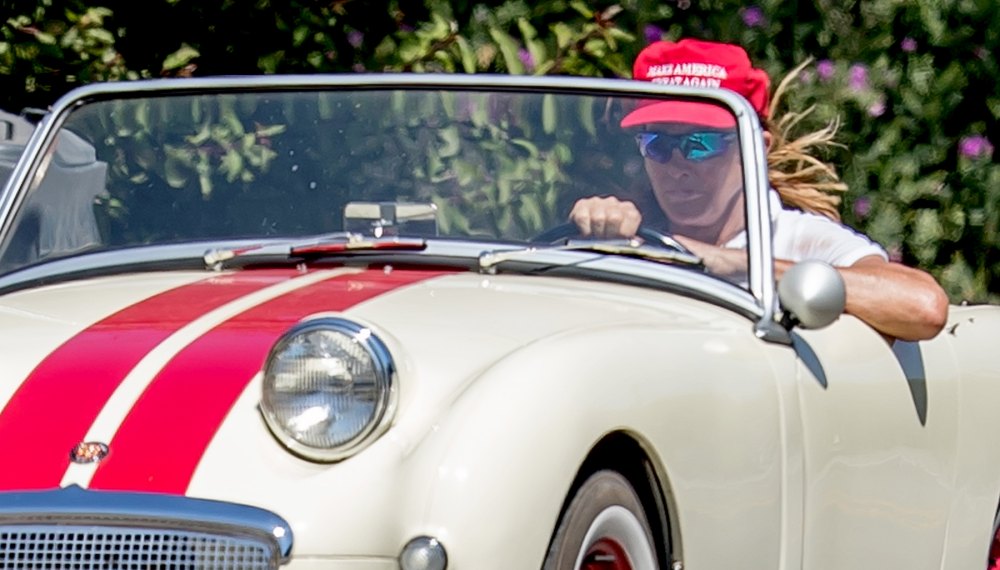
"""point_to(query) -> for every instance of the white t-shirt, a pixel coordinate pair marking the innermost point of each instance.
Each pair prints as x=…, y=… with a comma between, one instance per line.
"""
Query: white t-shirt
x=799, y=236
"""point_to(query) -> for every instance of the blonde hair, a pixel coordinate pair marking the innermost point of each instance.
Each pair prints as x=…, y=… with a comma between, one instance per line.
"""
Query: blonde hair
x=802, y=180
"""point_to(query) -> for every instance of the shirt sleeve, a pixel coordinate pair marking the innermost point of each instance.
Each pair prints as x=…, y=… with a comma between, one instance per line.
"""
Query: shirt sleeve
x=812, y=236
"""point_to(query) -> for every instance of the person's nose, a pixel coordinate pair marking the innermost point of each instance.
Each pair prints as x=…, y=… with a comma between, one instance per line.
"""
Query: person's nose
x=677, y=167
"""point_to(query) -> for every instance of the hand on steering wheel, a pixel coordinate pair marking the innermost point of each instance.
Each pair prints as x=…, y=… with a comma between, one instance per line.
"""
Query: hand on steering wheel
x=601, y=218
x=562, y=233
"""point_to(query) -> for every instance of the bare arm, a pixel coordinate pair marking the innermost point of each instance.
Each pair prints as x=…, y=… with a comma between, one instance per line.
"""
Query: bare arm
x=896, y=300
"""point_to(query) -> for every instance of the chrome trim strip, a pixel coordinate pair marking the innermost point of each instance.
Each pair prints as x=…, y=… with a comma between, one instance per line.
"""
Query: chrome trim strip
x=760, y=241
x=681, y=279
x=144, y=510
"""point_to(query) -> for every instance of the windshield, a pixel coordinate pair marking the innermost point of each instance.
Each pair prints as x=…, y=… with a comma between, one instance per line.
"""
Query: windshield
x=431, y=163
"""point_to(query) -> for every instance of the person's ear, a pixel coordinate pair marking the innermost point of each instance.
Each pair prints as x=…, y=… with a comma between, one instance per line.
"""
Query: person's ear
x=768, y=139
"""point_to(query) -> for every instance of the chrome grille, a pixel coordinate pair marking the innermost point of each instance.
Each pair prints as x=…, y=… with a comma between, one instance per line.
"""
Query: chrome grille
x=90, y=547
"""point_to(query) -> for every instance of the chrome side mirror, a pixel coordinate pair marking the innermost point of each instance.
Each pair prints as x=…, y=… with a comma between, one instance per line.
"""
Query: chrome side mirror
x=812, y=295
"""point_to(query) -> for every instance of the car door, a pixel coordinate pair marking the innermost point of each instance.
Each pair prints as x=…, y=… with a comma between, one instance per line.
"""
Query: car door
x=879, y=424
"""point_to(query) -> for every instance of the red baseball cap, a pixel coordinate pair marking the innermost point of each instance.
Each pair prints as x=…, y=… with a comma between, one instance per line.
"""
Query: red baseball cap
x=697, y=63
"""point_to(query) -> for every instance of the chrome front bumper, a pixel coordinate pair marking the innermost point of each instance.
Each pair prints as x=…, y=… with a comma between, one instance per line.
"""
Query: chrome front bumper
x=76, y=529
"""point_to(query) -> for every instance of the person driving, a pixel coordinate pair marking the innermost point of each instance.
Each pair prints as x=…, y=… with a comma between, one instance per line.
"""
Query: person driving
x=692, y=160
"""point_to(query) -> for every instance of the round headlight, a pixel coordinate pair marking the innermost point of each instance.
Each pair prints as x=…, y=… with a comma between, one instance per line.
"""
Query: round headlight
x=328, y=387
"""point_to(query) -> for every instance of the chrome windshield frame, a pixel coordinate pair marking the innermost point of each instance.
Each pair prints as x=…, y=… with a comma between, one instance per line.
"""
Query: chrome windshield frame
x=761, y=278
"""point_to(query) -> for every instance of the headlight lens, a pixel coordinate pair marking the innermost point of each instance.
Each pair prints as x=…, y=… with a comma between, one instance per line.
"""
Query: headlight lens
x=328, y=388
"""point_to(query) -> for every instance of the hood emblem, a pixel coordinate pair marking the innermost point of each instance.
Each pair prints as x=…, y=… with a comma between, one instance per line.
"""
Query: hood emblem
x=88, y=452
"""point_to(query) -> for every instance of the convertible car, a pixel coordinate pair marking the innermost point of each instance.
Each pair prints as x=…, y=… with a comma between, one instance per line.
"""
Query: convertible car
x=343, y=322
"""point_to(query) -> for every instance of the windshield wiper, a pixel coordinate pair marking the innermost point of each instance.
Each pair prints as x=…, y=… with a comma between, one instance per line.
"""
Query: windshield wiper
x=345, y=243
x=327, y=244
x=627, y=248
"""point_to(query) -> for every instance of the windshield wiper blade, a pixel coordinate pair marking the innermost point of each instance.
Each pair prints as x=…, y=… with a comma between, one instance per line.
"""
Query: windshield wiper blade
x=638, y=250
x=327, y=244
x=628, y=248
x=357, y=242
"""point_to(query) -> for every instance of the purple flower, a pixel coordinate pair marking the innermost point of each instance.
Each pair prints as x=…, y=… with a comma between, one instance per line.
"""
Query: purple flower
x=825, y=69
x=858, y=77
x=753, y=17
x=527, y=59
x=975, y=146
x=895, y=254
x=355, y=38
x=652, y=33
x=981, y=52
x=909, y=45
x=877, y=109
x=862, y=207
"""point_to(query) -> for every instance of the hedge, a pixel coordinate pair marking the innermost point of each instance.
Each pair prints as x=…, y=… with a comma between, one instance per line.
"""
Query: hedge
x=911, y=82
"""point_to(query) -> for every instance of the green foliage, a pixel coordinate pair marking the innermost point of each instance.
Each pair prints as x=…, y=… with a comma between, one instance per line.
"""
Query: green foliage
x=913, y=83
x=46, y=51
x=494, y=164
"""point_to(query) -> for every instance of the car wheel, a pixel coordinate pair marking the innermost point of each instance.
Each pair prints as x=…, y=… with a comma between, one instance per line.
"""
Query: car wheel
x=603, y=528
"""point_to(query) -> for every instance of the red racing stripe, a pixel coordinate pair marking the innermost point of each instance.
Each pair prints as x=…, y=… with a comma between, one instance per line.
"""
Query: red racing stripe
x=159, y=445
x=54, y=407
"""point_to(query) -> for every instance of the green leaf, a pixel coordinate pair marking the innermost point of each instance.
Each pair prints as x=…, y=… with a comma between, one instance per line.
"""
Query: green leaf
x=44, y=38
x=564, y=35
x=180, y=58
x=246, y=141
x=174, y=173
x=927, y=232
x=526, y=145
x=101, y=35
x=549, y=113
x=468, y=56
x=545, y=67
x=583, y=9
x=441, y=26
x=886, y=227
x=299, y=35
x=466, y=172
x=509, y=49
x=452, y=143
x=203, y=134
x=562, y=153
x=993, y=103
x=530, y=215
x=959, y=280
x=528, y=31
x=586, y=116
x=232, y=165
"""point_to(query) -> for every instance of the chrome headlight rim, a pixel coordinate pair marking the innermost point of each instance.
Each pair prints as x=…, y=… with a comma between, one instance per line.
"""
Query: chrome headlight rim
x=385, y=372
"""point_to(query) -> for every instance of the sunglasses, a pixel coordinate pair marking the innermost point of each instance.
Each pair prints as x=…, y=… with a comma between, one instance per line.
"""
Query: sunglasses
x=696, y=146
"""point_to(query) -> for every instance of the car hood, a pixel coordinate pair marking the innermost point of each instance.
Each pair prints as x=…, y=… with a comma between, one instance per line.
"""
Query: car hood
x=154, y=364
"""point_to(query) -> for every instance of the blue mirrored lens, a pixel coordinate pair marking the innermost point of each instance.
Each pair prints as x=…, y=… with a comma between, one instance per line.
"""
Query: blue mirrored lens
x=697, y=146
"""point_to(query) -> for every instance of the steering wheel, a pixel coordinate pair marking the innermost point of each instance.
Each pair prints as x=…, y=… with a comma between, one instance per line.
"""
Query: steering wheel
x=563, y=232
